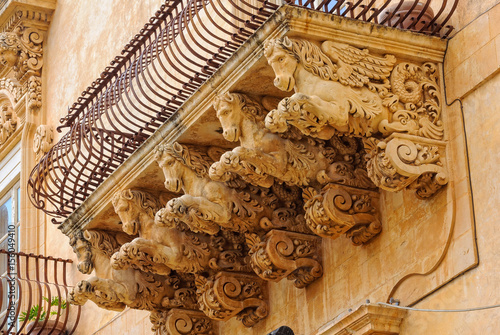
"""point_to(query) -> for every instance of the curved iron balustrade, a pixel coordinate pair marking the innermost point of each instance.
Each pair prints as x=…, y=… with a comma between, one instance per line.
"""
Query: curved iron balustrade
x=181, y=46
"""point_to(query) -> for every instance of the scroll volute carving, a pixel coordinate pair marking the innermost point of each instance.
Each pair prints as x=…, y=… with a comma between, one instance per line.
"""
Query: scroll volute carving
x=160, y=248
x=339, y=209
x=343, y=89
x=21, y=50
x=181, y=322
x=283, y=254
x=229, y=294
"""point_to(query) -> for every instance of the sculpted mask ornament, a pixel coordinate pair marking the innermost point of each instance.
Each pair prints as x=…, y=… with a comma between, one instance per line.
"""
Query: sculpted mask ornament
x=8, y=123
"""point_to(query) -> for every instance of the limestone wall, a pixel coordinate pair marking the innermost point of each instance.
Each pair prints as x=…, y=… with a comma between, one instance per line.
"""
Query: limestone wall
x=85, y=35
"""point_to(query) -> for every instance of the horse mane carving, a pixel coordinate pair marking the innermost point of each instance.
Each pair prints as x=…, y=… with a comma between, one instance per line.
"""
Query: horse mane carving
x=144, y=200
x=251, y=108
x=308, y=54
x=187, y=154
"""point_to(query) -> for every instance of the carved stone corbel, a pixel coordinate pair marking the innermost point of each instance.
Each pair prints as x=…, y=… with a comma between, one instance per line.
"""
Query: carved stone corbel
x=42, y=142
x=404, y=160
x=229, y=294
x=339, y=209
x=283, y=254
x=181, y=322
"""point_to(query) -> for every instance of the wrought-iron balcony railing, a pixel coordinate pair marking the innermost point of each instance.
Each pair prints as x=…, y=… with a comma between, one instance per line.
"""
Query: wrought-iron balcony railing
x=34, y=289
x=181, y=46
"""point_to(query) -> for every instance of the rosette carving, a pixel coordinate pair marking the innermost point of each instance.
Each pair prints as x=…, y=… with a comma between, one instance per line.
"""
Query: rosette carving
x=283, y=254
x=230, y=294
x=181, y=322
x=339, y=209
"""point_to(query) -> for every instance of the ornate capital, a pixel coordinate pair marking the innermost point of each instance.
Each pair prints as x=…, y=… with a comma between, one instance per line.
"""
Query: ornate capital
x=283, y=254
x=230, y=294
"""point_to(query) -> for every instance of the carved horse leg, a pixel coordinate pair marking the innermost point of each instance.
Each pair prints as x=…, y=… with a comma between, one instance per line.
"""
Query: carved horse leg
x=199, y=213
x=254, y=166
x=105, y=293
x=145, y=255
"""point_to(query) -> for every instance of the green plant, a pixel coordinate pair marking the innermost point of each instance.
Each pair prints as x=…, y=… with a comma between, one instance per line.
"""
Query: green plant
x=33, y=312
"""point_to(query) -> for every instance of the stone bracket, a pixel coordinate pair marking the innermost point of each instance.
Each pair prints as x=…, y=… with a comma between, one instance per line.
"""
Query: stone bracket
x=340, y=209
x=181, y=322
x=229, y=294
x=283, y=254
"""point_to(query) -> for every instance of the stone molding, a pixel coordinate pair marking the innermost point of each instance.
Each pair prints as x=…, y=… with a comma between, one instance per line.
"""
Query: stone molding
x=370, y=319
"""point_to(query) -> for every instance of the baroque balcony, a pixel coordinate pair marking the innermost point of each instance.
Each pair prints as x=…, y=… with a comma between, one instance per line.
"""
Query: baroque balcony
x=217, y=163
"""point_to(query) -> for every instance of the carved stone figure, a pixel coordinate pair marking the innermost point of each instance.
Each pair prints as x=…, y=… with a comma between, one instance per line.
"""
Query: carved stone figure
x=116, y=289
x=8, y=123
x=229, y=294
x=207, y=205
x=264, y=157
x=160, y=249
x=340, y=88
x=44, y=136
x=283, y=254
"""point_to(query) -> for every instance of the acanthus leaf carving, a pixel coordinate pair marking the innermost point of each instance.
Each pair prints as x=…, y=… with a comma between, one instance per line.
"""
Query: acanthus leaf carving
x=230, y=294
x=34, y=92
x=339, y=209
x=283, y=254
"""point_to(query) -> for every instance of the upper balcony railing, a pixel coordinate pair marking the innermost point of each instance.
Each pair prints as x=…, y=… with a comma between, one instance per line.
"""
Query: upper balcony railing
x=181, y=46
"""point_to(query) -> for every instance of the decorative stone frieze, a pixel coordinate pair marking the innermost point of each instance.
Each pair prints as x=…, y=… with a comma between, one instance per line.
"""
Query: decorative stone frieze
x=8, y=123
x=229, y=294
x=181, y=322
x=44, y=136
x=281, y=254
